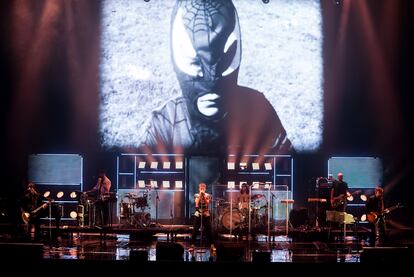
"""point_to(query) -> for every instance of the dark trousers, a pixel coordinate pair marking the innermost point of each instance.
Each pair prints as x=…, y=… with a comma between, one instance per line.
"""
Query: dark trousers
x=206, y=228
x=102, y=211
x=378, y=235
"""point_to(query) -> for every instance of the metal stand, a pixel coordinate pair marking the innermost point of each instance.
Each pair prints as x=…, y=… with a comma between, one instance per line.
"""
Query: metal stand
x=50, y=221
x=250, y=214
x=287, y=202
x=157, y=199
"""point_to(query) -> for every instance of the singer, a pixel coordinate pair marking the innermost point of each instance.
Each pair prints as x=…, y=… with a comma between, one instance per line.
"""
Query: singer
x=202, y=215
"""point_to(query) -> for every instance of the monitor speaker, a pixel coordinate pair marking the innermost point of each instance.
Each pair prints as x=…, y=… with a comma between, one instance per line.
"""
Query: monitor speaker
x=169, y=251
x=384, y=254
x=230, y=253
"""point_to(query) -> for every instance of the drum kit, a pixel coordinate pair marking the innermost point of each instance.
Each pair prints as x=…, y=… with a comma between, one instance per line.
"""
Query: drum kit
x=232, y=216
x=133, y=210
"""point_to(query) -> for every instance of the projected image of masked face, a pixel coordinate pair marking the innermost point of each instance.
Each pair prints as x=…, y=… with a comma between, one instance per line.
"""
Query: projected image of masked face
x=212, y=113
x=206, y=51
x=173, y=73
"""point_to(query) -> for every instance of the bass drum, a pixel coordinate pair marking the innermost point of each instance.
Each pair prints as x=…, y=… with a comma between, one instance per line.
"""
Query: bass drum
x=233, y=219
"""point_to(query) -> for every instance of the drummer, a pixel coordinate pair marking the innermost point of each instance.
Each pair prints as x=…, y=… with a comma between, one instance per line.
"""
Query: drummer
x=243, y=199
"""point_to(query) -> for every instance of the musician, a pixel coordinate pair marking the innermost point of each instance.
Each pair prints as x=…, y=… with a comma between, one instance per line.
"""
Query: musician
x=243, y=198
x=33, y=209
x=202, y=214
x=339, y=193
x=103, y=186
x=375, y=213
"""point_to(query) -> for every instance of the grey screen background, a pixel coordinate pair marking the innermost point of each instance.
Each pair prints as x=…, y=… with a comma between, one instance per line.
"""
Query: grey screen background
x=55, y=169
x=359, y=172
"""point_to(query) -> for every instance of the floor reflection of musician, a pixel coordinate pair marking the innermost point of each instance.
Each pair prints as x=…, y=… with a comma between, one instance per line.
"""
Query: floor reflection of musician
x=103, y=186
x=202, y=214
x=33, y=209
x=375, y=209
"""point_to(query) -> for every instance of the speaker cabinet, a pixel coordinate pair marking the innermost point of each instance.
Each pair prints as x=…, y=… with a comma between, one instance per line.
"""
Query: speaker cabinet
x=138, y=255
x=385, y=254
x=169, y=251
x=261, y=257
x=21, y=251
x=230, y=253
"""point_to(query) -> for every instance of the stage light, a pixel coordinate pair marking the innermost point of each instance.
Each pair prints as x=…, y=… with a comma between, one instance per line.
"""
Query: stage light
x=231, y=166
x=178, y=184
x=141, y=184
x=255, y=185
x=166, y=165
x=231, y=184
x=179, y=165
x=255, y=166
x=73, y=194
x=363, y=197
x=364, y=217
x=73, y=214
x=46, y=194
x=268, y=185
x=350, y=198
x=153, y=184
x=243, y=165
x=166, y=184
x=141, y=165
x=268, y=166
x=59, y=194
x=154, y=165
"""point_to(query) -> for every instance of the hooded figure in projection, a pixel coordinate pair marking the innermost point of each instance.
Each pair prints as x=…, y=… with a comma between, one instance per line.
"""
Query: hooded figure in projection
x=213, y=114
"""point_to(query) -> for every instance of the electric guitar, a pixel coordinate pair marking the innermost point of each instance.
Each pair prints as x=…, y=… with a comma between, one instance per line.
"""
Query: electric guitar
x=340, y=199
x=26, y=216
x=374, y=216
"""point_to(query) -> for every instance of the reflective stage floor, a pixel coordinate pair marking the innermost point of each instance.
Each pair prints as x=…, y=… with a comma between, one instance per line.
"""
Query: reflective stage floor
x=116, y=249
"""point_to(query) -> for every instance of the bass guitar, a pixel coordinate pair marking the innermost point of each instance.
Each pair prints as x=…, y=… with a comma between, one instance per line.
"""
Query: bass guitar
x=340, y=199
x=373, y=217
x=26, y=216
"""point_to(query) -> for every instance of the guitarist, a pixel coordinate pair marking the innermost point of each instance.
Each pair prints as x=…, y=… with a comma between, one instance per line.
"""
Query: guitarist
x=32, y=203
x=339, y=193
x=375, y=213
x=102, y=187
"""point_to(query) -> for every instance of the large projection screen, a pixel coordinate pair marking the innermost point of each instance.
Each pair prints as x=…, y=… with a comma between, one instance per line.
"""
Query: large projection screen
x=281, y=58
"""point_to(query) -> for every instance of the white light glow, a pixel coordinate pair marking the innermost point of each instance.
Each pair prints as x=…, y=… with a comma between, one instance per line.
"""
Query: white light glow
x=179, y=165
x=141, y=165
x=141, y=183
x=166, y=165
x=178, y=184
x=166, y=184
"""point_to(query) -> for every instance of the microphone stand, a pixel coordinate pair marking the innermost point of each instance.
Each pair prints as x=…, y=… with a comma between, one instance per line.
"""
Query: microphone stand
x=157, y=199
x=50, y=221
x=250, y=214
